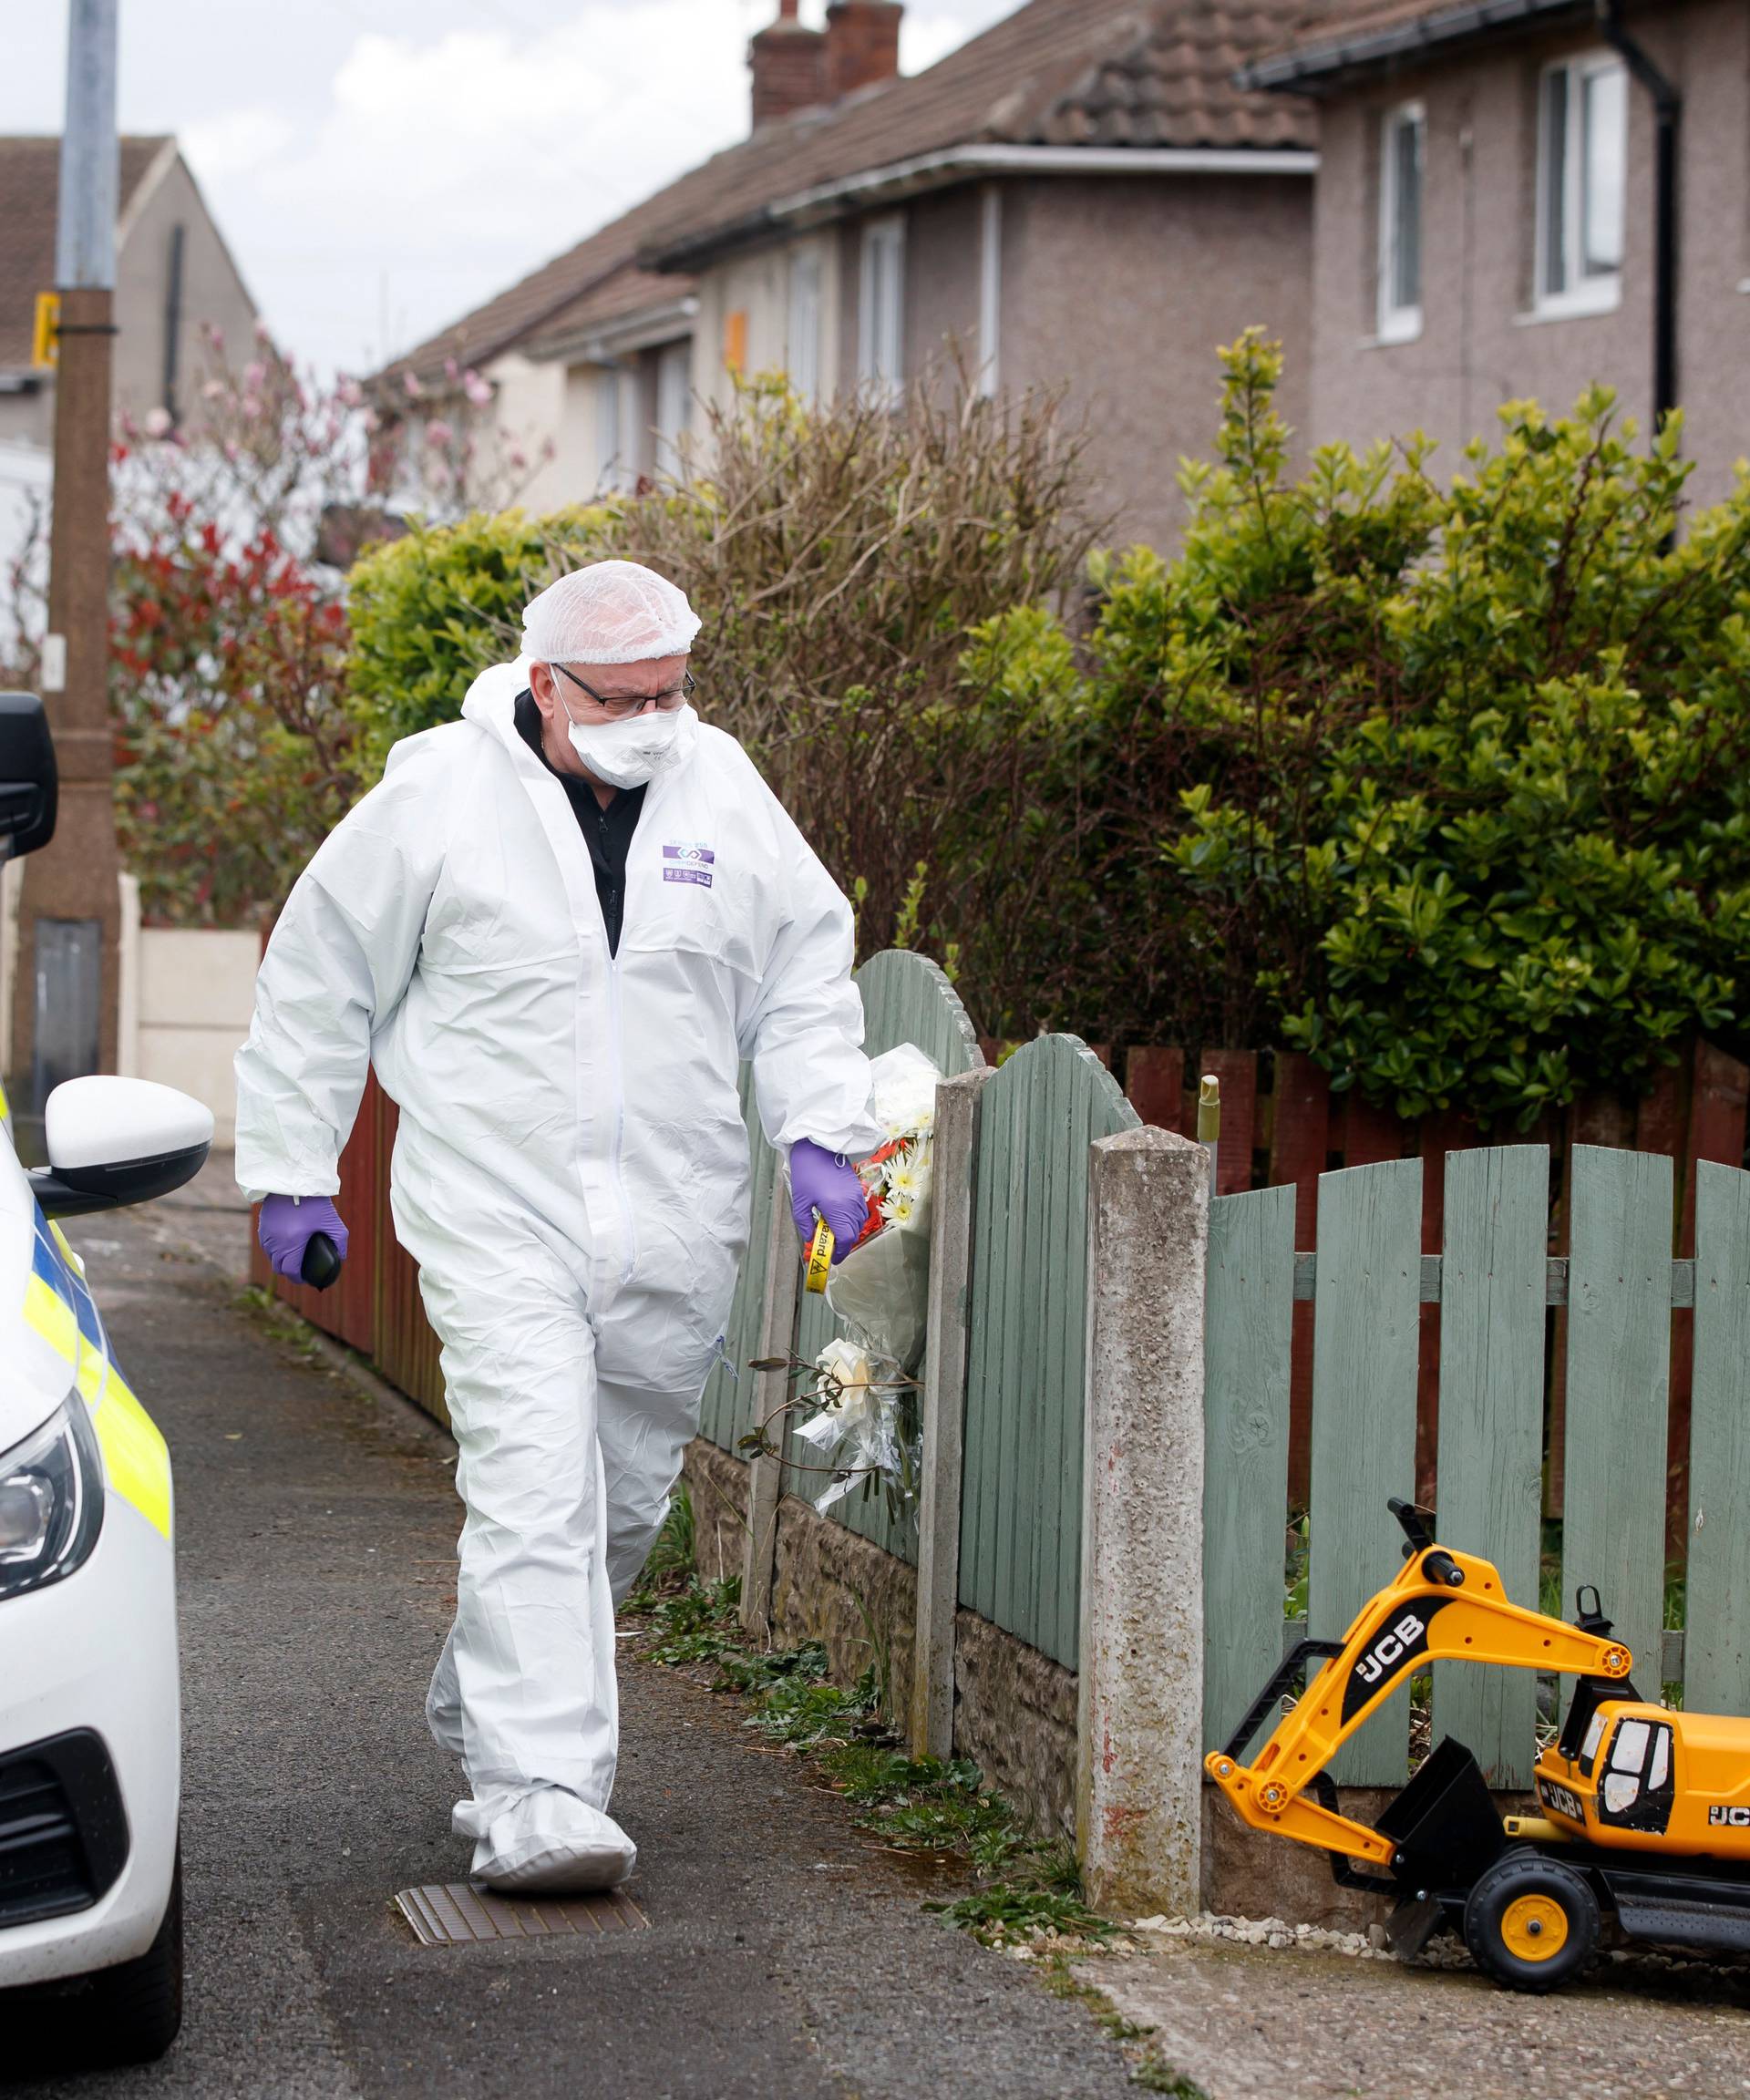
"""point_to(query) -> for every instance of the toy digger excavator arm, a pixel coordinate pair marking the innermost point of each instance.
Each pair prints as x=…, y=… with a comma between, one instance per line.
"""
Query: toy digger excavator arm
x=1443, y=1607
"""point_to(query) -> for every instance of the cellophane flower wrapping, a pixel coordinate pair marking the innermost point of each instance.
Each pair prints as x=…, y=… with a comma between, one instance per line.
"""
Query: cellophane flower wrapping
x=880, y=1293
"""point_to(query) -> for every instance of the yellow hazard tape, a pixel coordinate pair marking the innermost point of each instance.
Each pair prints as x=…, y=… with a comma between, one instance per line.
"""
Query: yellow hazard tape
x=821, y=1247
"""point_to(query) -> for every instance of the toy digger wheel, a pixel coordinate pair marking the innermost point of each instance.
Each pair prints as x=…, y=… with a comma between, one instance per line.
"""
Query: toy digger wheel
x=1531, y=1922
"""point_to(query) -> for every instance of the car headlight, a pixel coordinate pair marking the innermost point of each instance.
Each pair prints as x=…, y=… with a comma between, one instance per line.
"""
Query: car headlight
x=51, y=1500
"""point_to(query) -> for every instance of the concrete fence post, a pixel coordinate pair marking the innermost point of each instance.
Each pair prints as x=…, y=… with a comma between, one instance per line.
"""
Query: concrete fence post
x=1139, y=1766
x=931, y=1729
x=765, y=1475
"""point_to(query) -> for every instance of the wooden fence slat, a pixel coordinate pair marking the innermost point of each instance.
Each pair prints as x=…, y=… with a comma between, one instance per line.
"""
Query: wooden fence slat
x=1493, y=1275
x=1153, y=1082
x=1015, y=1508
x=930, y=1729
x=1717, y=1132
x=1366, y=1323
x=1370, y=1134
x=1716, y=1648
x=1300, y=1147
x=1020, y=1516
x=1619, y=1361
x=1247, y=1325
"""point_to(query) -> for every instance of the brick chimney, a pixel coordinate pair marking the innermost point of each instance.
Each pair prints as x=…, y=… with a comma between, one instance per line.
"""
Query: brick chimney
x=862, y=43
x=789, y=67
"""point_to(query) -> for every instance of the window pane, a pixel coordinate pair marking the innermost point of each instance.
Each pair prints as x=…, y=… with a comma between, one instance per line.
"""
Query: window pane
x=1620, y=1792
x=1661, y=1770
x=1553, y=200
x=1406, y=213
x=1629, y=1751
x=1603, y=125
x=804, y=324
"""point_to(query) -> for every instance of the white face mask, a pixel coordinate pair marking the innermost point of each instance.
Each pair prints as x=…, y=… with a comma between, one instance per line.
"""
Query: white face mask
x=628, y=754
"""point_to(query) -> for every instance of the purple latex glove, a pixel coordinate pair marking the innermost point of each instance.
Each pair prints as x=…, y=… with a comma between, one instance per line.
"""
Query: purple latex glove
x=826, y=1182
x=289, y=1223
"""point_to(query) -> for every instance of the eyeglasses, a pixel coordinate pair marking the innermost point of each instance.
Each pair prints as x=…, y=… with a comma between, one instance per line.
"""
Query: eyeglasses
x=621, y=706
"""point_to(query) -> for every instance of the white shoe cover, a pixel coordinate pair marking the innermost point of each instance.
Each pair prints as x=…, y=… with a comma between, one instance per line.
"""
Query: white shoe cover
x=543, y=1841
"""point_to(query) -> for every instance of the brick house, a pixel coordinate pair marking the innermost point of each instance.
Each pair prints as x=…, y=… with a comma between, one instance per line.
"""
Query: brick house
x=1489, y=222
x=1081, y=196
x=173, y=271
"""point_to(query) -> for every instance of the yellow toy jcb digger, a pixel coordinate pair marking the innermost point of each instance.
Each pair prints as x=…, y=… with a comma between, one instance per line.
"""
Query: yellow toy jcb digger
x=1646, y=1811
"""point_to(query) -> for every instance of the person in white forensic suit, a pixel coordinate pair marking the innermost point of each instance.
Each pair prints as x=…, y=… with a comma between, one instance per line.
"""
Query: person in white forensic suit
x=556, y=928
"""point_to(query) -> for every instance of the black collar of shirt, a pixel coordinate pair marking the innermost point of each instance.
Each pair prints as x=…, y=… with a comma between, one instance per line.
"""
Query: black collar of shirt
x=607, y=829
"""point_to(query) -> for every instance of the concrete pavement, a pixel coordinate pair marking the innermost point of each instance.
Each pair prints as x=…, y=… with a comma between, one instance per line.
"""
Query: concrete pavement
x=316, y=1530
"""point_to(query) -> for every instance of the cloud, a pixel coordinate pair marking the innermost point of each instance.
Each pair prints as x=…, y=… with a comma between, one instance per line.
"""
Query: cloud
x=236, y=143
x=446, y=160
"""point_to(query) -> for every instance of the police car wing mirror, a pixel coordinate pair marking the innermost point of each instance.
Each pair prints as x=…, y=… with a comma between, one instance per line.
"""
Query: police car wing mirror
x=113, y=1142
x=28, y=775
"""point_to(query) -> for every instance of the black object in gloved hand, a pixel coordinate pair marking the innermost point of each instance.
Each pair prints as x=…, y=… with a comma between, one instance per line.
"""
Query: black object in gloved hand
x=321, y=1263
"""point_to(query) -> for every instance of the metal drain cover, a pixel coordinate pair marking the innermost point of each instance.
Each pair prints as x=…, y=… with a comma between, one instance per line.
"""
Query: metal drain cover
x=455, y=1915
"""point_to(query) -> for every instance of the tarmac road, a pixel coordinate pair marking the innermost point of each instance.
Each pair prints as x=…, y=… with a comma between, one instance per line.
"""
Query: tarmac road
x=316, y=1531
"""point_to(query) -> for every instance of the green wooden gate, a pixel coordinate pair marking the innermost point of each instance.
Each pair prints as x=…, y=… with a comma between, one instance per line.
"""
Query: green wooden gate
x=1496, y=1283
x=1020, y=1499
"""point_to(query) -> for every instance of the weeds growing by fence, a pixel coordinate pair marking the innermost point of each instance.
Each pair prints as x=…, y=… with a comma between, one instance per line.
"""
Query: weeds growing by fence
x=1026, y=1887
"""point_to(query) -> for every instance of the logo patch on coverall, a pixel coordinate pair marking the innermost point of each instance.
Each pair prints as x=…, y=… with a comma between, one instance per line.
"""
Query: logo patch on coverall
x=684, y=862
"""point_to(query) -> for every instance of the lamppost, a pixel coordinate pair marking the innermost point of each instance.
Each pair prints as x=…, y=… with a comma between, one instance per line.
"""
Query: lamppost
x=65, y=994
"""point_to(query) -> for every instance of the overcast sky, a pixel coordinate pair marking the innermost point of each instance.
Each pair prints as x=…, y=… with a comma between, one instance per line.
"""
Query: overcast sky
x=379, y=167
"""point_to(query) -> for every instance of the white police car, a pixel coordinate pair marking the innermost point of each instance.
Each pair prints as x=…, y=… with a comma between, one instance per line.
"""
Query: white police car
x=89, y=1721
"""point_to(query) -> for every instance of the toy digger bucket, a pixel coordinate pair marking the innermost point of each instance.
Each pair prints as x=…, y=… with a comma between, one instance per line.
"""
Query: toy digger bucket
x=1444, y=1823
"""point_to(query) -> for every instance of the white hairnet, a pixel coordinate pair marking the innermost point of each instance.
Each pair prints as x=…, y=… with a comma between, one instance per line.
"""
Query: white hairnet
x=611, y=612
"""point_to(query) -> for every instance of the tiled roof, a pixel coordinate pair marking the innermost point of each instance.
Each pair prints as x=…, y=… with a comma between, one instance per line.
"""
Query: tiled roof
x=30, y=188
x=629, y=291
x=1172, y=84
x=1055, y=72
x=1331, y=41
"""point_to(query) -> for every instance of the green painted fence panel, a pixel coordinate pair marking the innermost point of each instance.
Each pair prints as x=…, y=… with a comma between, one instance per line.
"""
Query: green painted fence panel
x=1619, y=1369
x=1716, y=1648
x=1493, y=1285
x=906, y=999
x=1248, y=1336
x=1021, y=1509
x=1365, y=1327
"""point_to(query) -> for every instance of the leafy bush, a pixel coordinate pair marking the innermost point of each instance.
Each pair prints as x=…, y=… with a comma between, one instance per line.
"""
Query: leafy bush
x=838, y=558
x=431, y=611
x=1445, y=786
x=233, y=754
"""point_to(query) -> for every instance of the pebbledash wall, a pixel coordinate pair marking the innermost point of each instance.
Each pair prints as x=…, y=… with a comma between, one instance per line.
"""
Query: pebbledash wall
x=1119, y=1367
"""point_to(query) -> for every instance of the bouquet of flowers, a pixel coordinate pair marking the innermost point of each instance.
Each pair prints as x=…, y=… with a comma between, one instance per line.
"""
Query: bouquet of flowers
x=864, y=1386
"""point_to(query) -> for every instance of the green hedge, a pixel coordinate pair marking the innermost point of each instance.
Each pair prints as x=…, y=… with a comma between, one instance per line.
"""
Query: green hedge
x=1447, y=784
x=1443, y=780
x=431, y=611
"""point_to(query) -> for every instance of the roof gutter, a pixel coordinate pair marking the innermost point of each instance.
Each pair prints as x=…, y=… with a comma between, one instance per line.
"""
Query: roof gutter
x=1317, y=68
x=1667, y=115
x=601, y=345
x=953, y=164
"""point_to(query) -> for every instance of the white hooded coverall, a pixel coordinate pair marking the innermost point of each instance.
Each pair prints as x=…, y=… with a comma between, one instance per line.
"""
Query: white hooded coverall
x=571, y=1173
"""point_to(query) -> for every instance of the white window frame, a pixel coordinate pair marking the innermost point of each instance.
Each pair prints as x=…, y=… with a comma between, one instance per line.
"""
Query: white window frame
x=807, y=307
x=990, y=289
x=881, y=321
x=673, y=407
x=1579, y=292
x=609, y=465
x=1394, y=323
